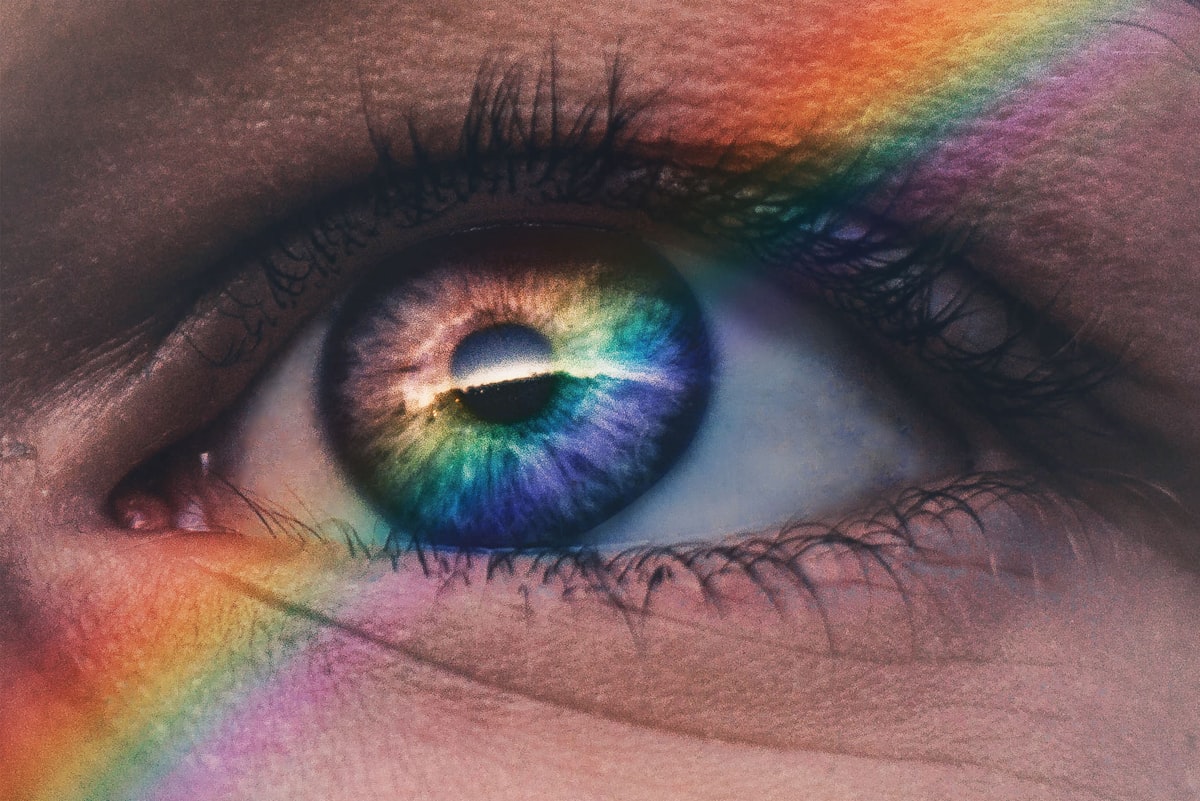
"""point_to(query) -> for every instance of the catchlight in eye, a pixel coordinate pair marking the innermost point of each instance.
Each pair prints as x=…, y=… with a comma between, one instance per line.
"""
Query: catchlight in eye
x=514, y=387
x=506, y=371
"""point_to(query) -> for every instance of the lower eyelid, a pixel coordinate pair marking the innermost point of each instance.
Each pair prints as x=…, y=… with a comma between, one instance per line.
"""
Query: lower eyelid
x=768, y=660
x=151, y=627
x=614, y=636
x=960, y=540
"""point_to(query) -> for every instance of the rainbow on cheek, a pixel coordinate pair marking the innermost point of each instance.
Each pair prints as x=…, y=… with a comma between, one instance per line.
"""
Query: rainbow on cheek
x=516, y=387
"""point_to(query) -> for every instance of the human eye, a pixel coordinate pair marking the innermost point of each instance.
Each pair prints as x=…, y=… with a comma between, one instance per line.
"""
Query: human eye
x=383, y=440
x=231, y=596
x=630, y=361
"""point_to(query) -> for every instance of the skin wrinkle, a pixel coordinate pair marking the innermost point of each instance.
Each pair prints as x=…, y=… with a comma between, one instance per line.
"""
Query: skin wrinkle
x=781, y=751
x=653, y=783
x=1097, y=698
x=709, y=735
x=275, y=601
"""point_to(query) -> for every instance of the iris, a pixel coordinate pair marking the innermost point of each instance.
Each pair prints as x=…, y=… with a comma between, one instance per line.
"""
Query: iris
x=514, y=387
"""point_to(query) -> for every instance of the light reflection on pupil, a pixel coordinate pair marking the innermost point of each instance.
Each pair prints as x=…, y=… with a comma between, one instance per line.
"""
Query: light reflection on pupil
x=504, y=372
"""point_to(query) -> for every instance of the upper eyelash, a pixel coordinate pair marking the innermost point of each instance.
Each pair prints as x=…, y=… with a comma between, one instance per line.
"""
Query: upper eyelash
x=595, y=157
x=1032, y=369
x=567, y=162
x=792, y=211
x=801, y=218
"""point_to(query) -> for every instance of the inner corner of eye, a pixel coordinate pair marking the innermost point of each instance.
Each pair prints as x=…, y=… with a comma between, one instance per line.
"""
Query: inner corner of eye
x=546, y=387
x=167, y=492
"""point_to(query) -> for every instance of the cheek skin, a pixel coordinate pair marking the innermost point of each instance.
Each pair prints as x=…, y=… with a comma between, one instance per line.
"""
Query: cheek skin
x=1018, y=723
x=124, y=642
x=184, y=643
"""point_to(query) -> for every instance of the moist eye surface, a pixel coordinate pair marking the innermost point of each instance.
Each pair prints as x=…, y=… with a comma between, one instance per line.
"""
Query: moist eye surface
x=514, y=387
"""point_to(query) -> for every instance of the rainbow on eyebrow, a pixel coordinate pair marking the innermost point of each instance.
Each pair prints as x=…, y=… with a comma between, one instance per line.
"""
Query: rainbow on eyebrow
x=893, y=80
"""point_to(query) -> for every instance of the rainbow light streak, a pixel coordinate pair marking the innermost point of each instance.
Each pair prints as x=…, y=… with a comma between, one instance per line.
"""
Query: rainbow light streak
x=885, y=82
x=166, y=672
x=626, y=378
x=94, y=719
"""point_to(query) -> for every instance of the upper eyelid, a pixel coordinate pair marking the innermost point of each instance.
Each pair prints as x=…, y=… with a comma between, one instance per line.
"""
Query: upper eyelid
x=511, y=143
x=786, y=165
x=262, y=293
x=188, y=371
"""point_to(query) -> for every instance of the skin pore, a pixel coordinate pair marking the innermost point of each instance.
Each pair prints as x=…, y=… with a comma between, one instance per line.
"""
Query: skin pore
x=1050, y=656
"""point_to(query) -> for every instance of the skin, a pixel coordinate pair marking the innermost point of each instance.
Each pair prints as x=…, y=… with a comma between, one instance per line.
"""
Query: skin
x=141, y=146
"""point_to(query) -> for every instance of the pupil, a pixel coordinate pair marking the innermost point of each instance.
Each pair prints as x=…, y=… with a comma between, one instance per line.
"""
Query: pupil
x=505, y=373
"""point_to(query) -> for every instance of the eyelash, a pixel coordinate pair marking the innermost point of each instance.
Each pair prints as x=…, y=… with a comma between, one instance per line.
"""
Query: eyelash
x=776, y=564
x=810, y=232
x=879, y=276
x=1031, y=369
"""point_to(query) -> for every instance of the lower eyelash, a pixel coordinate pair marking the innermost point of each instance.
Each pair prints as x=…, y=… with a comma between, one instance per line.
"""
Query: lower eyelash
x=628, y=579
x=1012, y=528
x=916, y=560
